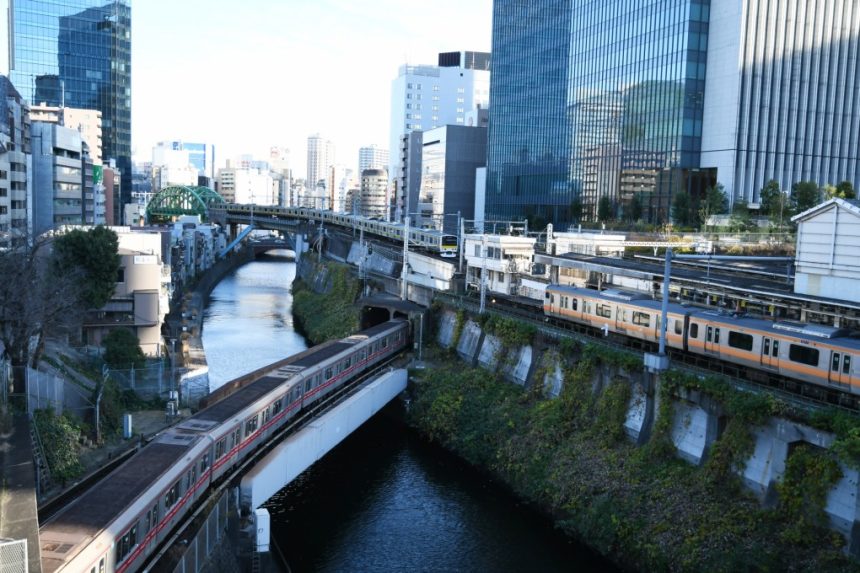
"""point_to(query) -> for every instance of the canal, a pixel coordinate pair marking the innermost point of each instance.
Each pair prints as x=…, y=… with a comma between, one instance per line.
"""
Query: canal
x=383, y=500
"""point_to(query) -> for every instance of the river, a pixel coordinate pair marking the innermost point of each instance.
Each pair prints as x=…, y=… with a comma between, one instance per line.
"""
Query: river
x=383, y=500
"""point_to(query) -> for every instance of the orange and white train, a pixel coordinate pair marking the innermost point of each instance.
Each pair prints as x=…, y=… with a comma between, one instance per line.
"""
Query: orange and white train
x=811, y=353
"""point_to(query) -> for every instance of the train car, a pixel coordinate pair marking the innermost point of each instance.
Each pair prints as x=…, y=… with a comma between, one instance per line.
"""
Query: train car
x=118, y=523
x=614, y=311
x=812, y=353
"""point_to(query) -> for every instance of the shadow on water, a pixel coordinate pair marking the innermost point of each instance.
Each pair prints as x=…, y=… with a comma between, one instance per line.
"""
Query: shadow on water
x=384, y=500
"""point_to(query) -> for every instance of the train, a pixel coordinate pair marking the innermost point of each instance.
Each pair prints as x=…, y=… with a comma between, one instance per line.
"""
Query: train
x=818, y=354
x=118, y=523
x=431, y=240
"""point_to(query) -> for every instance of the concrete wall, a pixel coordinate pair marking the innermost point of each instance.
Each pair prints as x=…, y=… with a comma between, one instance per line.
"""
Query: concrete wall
x=695, y=423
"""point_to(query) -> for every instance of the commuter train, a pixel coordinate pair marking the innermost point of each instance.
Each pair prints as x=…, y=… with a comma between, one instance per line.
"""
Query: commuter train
x=811, y=353
x=117, y=524
x=434, y=241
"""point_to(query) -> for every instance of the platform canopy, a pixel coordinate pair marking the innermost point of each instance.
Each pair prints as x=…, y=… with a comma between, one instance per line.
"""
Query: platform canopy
x=179, y=200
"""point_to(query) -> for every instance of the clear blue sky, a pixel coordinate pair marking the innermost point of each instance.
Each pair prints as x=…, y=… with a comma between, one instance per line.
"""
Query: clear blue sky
x=252, y=74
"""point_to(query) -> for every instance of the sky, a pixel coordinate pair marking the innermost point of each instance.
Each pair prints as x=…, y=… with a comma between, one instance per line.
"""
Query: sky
x=249, y=75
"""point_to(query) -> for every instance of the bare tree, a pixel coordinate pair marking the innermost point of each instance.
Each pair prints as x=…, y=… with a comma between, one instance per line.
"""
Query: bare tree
x=34, y=301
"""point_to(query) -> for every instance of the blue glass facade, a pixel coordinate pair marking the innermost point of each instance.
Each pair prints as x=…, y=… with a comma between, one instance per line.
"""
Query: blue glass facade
x=592, y=99
x=78, y=52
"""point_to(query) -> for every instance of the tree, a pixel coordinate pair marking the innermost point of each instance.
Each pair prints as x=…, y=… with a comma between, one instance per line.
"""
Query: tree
x=804, y=195
x=94, y=253
x=122, y=349
x=682, y=209
x=34, y=300
x=741, y=219
x=775, y=203
x=714, y=203
x=634, y=208
x=604, y=209
x=843, y=190
x=575, y=210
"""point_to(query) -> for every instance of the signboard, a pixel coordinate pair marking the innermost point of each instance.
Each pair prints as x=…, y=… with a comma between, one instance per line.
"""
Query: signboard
x=145, y=260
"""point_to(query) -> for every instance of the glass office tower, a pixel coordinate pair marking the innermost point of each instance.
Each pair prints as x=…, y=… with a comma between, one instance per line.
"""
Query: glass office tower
x=595, y=98
x=77, y=53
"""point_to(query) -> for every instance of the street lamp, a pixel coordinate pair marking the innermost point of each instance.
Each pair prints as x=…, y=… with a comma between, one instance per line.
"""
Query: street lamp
x=172, y=365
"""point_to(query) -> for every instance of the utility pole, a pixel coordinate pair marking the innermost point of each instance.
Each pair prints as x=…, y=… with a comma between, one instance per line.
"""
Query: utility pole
x=404, y=274
x=483, y=274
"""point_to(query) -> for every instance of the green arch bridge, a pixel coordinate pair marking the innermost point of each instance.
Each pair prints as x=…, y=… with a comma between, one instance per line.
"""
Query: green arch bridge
x=179, y=200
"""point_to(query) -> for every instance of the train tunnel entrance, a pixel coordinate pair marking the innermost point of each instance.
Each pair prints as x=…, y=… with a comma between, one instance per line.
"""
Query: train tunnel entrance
x=378, y=309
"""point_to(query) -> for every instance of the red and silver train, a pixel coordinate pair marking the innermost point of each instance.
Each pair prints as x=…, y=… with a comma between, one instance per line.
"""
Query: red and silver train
x=811, y=353
x=120, y=521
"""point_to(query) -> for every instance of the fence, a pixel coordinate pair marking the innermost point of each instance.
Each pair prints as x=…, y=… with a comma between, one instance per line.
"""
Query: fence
x=48, y=391
x=207, y=539
x=13, y=556
x=148, y=382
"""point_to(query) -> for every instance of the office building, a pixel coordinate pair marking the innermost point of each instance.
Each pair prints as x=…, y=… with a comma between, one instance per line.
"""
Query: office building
x=320, y=159
x=407, y=183
x=248, y=185
x=450, y=157
x=373, y=199
x=372, y=157
x=425, y=97
x=62, y=179
x=200, y=156
x=667, y=97
x=14, y=157
x=87, y=121
x=77, y=54
x=172, y=164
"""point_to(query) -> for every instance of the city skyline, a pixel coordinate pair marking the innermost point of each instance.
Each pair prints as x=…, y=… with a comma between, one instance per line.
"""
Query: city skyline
x=327, y=93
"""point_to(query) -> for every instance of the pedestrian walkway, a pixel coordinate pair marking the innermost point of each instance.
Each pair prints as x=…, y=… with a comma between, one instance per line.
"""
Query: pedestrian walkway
x=18, y=516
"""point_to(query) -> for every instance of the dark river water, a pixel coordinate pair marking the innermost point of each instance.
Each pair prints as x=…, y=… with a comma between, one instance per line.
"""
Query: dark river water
x=383, y=500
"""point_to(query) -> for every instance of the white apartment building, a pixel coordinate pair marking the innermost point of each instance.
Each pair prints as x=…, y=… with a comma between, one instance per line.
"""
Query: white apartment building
x=247, y=185
x=14, y=157
x=425, y=97
x=320, y=159
x=172, y=165
x=87, y=121
x=501, y=259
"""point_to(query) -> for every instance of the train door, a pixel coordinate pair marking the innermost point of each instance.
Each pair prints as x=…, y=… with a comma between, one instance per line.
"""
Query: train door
x=712, y=339
x=840, y=368
x=770, y=352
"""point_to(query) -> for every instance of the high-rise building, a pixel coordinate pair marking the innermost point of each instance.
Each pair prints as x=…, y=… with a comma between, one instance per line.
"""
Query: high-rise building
x=175, y=164
x=14, y=157
x=76, y=53
x=372, y=157
x=425, y=97
x=201, y=156
x=320, y=159
x=407, y=183
x=698, y=92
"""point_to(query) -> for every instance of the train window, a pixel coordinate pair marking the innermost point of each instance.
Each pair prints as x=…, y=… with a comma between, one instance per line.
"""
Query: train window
x=642, y=319
x=220, y=448
x=204, y=463
x=348, y=362
x=172, y=496
x=679, y=326
x=102, y=565
x=710, y=335
x=308, y=385
x=588, y=307
x=740, y=340
x=846, y=364
x=277, y=406
x=803, y=354
x=126, y=544
x=385, y=342
x=573, y=302
x=266, y=415
x=604, y=310
x=250, y=426
x=716, y=336
x=834, y=362
x=765, y=349
x=694, y=330
x=775, y=349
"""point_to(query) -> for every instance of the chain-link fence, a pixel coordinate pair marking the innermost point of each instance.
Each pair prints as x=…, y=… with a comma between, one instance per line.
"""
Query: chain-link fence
x=47, y=391
x=152, y=381
x=207, y=539
x=13, y=556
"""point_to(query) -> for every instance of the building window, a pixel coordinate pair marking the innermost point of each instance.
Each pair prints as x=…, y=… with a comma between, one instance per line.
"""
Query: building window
x=120, y=275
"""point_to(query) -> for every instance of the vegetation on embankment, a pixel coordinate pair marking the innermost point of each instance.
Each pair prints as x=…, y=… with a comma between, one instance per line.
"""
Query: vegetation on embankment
x=641, y=506
x=323, y=301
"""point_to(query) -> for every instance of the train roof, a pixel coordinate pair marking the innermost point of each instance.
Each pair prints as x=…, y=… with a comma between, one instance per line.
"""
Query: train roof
x=98, y=506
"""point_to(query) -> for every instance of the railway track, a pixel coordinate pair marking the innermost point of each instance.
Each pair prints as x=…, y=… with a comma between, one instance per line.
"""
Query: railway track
x=803, y=395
